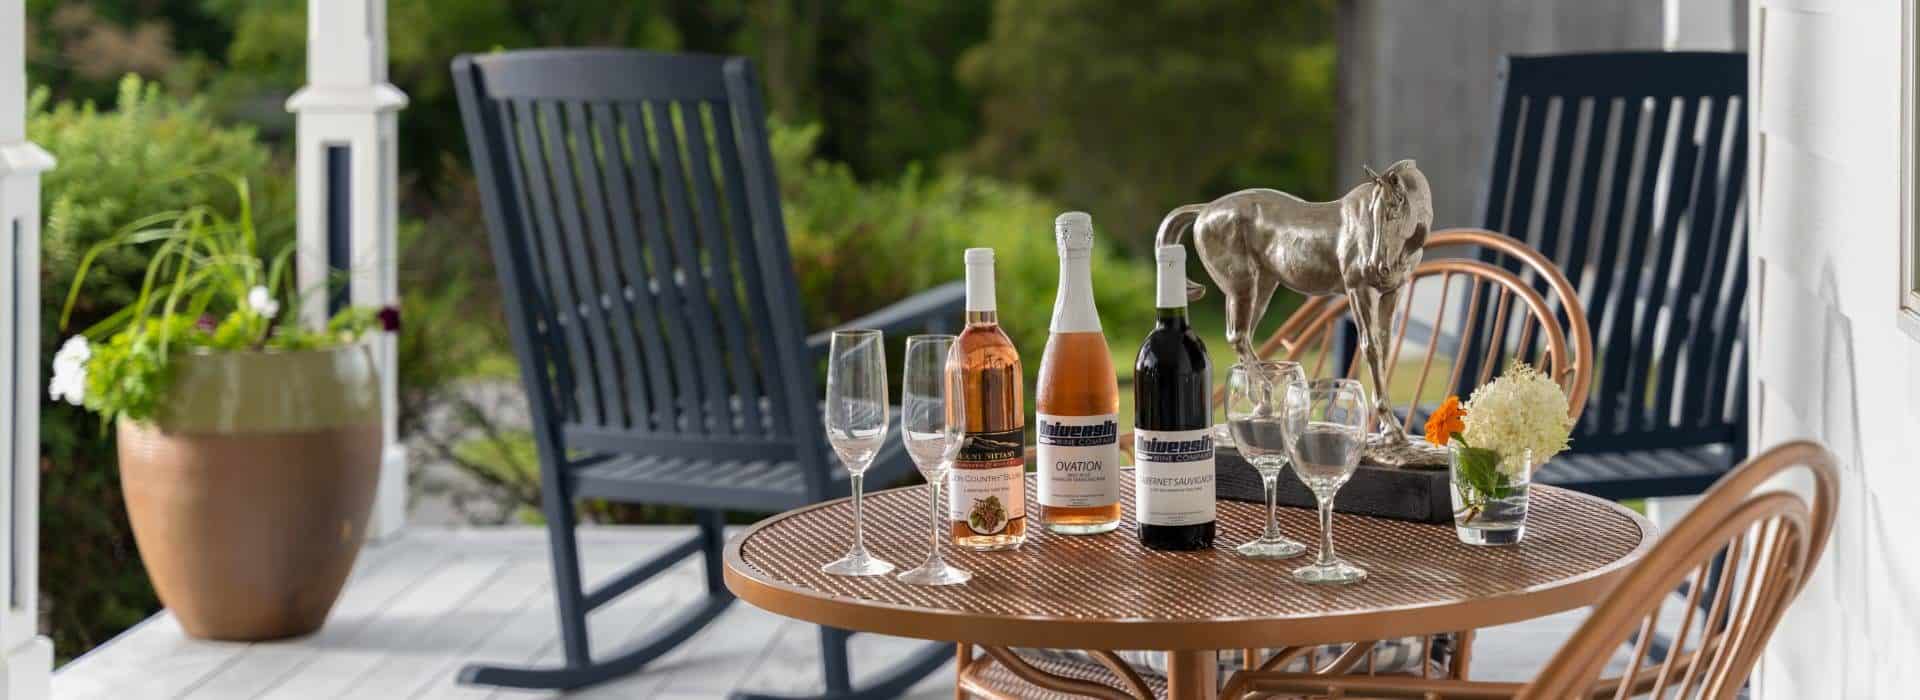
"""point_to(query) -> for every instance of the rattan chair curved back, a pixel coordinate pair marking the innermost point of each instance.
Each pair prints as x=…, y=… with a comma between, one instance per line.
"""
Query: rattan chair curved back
x=1747, y=546
x=1771, y=539
x=1467, y=318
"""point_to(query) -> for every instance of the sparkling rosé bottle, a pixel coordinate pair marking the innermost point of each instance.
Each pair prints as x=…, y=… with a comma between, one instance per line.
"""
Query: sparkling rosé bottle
x=1078, y=399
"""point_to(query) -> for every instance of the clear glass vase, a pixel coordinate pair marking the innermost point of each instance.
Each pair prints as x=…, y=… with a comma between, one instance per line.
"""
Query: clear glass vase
x=1489, y=496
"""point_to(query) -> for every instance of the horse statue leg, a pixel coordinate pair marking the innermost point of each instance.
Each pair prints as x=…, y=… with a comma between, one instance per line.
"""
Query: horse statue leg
x=1390, y=446
x=1245, y=307
x=1367, y=305
x=1225, y=248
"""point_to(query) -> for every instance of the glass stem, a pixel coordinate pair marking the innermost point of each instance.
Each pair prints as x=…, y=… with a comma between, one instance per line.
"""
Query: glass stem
x=1326, y=531
x=934, y=557
x=1271, y=480
x=859, y=537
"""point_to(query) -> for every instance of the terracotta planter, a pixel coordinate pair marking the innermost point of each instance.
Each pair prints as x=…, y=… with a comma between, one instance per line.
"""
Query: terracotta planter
x=249, y=490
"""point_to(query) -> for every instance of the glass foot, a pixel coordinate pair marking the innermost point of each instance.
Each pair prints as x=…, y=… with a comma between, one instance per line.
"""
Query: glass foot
x=858, y=564
x=1335, y=572
x=1490, y=536
x=1277, y=548
x=935, y=574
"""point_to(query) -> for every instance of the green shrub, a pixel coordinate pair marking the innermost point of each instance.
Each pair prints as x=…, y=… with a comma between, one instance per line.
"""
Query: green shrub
x=454, y=337
x=114, y=166
x=857, y=246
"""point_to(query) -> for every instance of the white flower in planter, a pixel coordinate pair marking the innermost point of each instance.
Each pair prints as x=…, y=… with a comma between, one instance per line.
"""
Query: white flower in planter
x=69, y=381
x=261, y=301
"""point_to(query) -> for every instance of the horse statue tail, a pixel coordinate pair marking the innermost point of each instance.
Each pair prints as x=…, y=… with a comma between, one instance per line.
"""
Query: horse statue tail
x=1172, y=229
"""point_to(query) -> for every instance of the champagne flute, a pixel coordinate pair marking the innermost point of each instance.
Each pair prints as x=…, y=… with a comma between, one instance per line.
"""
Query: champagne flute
x=933, y=424
x=1327, y=427
x=1257, y=417
x=856, y=424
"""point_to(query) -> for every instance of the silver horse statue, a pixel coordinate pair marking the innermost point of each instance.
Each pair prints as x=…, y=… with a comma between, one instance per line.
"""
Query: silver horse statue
x=1364, y=245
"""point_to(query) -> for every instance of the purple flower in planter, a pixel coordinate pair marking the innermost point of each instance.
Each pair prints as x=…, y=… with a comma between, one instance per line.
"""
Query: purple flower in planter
x=389, y=317
x=206, y=323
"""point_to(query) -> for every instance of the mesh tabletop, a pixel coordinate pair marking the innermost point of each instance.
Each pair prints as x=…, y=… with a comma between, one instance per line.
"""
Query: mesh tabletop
x=1106, y=591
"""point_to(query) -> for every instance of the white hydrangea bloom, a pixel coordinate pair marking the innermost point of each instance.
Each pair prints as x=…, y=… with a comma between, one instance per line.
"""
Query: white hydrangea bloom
x=261, y=301
x=69, y=381
x=1521, y=410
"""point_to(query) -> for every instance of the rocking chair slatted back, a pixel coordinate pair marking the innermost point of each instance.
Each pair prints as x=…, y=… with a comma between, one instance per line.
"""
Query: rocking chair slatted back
x=1466, y=317
x=1630, y=170
x=639, y=233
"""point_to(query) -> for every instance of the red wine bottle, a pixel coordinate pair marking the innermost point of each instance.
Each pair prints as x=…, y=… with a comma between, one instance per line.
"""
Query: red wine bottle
x=1173, y=421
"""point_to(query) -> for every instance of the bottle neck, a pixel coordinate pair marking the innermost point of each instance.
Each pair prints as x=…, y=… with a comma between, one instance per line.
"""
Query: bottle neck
x=1170, y=286
x=986, y=318
x=1170, y=317
x=980, y=290
x=1073, y=308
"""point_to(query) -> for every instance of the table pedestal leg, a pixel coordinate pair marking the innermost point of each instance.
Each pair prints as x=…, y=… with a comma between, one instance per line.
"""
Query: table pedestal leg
x=1193, y=675
x=963, y=657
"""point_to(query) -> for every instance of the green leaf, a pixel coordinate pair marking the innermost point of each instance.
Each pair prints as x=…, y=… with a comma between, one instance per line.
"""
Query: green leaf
x=1479, y=469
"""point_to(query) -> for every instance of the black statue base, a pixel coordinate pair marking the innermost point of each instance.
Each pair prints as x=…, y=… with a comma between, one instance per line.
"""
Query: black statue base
x=1418, y=495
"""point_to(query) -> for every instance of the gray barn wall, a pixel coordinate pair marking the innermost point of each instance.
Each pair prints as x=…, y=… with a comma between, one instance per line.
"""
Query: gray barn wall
x=1416, y=79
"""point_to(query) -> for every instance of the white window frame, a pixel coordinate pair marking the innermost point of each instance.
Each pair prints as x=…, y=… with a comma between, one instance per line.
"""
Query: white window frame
x=1909, y=291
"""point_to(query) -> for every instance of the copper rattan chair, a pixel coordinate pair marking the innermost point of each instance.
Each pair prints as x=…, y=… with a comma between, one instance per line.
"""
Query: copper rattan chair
x=1474, y=319
x=1473, y=316
x=1771, y=539
x=1481, y=315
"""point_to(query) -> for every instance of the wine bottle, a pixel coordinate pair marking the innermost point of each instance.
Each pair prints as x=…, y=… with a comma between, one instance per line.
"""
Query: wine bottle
x=1078, y=399
x=1173, y=426
x=987, y=498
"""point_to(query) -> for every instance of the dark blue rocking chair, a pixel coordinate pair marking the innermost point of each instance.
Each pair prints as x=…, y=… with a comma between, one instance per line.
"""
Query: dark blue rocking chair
x=635, y=223
x=1628, y=170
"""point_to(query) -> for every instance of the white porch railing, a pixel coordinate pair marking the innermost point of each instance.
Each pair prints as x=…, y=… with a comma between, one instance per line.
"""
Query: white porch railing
x=26, y=658
x=346, y=118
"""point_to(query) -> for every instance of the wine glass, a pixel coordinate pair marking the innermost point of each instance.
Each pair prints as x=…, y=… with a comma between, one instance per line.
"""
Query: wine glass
x=933, y=424
x=1327, y=426
x=1257, y=416
x=856, y=423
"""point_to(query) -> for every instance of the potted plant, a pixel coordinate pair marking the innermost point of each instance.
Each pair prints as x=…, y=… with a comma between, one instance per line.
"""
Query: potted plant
x=249, y=445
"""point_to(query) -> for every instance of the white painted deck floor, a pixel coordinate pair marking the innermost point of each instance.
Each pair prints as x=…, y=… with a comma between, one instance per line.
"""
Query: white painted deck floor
x=422, y=605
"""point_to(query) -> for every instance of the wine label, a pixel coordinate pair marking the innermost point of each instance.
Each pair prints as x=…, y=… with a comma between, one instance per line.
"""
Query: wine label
x=1079, y=460
x=1173, y=476
x=988, y=485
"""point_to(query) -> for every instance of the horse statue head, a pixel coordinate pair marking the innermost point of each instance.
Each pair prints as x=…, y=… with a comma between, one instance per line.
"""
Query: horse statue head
x=1383, y=227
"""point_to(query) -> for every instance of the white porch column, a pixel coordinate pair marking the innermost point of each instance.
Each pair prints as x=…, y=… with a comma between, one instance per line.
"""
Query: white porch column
x=347, y=190
x=26, y=658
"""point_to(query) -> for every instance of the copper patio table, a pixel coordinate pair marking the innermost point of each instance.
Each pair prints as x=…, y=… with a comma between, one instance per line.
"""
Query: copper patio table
x=1106, y=592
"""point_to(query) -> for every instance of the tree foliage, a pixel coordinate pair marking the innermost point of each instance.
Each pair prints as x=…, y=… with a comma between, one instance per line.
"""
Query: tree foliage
x=877, y=73
x=1132, y=110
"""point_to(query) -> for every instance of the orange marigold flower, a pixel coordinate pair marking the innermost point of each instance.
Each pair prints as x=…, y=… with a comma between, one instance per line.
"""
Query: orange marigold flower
x=1445, y=421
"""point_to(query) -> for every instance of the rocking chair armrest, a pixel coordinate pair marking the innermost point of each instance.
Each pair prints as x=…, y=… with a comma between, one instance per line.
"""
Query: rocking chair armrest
x=924, y=310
